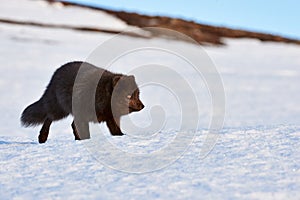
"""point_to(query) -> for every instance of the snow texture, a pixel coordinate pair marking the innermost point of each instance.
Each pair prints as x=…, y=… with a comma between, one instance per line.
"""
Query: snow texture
x=39, y=11
x=257, y=154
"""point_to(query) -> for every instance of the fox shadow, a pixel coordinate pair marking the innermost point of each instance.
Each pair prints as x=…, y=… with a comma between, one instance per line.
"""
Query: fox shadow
x=15, y=142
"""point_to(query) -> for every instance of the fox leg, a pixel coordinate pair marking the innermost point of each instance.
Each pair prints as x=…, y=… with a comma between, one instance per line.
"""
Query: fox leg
x=44, y=132
x=114, y=126
x=75, y=132
x=80, y=129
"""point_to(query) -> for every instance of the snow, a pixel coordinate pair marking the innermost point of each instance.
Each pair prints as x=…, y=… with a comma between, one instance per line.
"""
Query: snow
x=261, y=81
x=42, y=12
x=256, y=156
x=252, y=164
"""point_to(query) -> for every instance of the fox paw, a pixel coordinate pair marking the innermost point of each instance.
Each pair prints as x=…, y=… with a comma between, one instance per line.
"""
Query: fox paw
x=42, y=139
x=117, y=134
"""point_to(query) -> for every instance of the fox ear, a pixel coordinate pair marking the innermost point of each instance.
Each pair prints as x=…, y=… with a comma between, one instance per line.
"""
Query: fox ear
x=116, y=79
x=131, y=78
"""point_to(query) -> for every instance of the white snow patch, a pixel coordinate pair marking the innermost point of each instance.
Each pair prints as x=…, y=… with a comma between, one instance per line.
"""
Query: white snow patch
x=43, y=12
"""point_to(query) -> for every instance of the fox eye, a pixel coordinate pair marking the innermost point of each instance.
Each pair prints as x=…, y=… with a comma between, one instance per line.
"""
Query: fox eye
x=129, y=96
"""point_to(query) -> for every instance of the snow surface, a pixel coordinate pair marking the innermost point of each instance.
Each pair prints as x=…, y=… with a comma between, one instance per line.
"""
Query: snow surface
x=42, y=12
x=257, y=155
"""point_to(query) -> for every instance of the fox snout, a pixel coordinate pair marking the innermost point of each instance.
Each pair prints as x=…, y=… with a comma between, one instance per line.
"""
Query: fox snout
x=135, y=105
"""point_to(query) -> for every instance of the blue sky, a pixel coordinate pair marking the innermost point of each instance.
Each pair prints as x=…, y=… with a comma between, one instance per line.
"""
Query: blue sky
x=271, y=16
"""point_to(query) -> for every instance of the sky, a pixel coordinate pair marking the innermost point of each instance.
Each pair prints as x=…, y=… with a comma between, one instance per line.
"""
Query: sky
x=270, y=16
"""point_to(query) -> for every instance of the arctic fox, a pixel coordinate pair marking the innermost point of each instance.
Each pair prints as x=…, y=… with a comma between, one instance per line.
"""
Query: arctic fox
x=112, y=96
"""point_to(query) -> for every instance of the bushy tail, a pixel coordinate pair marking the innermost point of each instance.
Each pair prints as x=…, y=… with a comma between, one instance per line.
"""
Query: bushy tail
x=34, y=114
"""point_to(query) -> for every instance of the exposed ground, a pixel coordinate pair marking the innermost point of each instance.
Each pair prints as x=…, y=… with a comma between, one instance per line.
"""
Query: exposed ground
x=202, y=33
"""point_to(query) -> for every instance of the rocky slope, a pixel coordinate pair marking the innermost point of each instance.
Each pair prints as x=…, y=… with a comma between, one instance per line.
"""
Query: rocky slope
x=202, y=33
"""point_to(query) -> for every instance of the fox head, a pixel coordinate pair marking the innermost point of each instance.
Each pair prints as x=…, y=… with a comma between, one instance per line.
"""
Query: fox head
x=125, y=97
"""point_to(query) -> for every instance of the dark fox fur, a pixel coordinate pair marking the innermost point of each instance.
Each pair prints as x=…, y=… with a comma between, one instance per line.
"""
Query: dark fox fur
x=97, y=95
